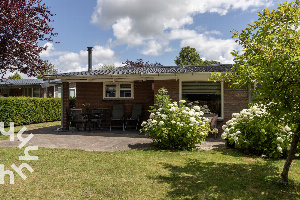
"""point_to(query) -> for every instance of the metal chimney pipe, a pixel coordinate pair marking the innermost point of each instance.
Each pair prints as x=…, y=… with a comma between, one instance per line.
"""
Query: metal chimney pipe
x=90, y=67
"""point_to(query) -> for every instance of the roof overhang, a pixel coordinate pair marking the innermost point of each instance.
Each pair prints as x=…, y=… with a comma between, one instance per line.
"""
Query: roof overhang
x=130, y=77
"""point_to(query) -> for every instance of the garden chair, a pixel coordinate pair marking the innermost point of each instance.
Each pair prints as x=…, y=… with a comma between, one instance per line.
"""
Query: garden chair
x=78, y=119
x=96, y=117
x=104, y=117
x=135, y=117
x=117, y=115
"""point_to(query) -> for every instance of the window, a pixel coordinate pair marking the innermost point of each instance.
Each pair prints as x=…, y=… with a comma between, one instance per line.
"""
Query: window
x=72, y=92
x=59, y=92
x=111, y=91
x=206, y=93
x=36, y=92
x=118, y=90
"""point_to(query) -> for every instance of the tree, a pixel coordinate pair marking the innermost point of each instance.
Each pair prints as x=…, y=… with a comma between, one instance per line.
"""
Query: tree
x=270, y=59
x=15, y=76
x=49, y=70
x=189, y=56
x=141, y=63
x=23, y=23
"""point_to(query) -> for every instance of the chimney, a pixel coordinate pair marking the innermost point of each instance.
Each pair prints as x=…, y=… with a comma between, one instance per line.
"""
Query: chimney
x=90, y=67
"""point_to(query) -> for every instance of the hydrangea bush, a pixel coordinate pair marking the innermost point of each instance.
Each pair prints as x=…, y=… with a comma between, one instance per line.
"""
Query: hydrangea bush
x=252, y=130
x=174, y=126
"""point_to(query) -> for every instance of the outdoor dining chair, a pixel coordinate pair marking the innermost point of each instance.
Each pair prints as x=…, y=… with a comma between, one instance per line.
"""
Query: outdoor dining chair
x=96, y=117
x=134, y=119
x=78, y=119
x=117, y=115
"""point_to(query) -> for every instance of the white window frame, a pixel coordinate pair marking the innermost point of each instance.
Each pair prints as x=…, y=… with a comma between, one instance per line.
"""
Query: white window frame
x=118, y=91
x=74, y=91
x=61, y=92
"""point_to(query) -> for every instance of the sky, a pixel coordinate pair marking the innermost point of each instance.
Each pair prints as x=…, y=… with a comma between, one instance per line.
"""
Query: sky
x=152, y=30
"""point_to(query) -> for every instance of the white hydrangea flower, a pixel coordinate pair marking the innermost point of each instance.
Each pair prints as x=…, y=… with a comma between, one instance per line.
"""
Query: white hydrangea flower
x=193, y=119
x=151, y=115
x=287, y=128
x=191, y=113
x=279, y=149
x=197, y=108
x=173, y=122
x=164, y=116
x=143, y=123
x=182, y=101
x=279, y=139
x=172, y=109
x=161, y=123
x=224, y=135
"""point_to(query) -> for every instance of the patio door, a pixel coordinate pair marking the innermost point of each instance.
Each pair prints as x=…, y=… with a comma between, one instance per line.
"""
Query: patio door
x=205, y=92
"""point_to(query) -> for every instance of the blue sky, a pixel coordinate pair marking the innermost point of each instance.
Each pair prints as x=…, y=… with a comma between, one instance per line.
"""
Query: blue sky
x=153, y=30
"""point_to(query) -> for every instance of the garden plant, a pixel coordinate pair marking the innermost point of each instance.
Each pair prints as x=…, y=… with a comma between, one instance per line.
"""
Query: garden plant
x=174, y=126
x=252, y=131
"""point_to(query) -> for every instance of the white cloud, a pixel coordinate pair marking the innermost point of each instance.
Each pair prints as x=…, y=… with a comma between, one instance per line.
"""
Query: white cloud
x=144, y=23
x=71, y=61
x=182, y=34
x=51, y=51
x=155, y=47
x=211, y=48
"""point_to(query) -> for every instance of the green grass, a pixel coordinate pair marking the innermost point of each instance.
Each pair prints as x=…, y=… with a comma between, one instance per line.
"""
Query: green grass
x=150, y=174
x=29, y=127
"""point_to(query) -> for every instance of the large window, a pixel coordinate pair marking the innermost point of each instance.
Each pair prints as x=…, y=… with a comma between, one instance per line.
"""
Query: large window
x=206, y=93
x=36, y=92
x=72, y=92
x=118, y=90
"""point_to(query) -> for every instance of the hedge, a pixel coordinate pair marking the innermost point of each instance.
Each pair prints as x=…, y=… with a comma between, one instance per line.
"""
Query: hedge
x=27, y=110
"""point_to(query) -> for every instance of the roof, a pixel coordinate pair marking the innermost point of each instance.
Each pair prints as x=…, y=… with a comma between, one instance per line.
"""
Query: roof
x=18, y=82
x=151, y=70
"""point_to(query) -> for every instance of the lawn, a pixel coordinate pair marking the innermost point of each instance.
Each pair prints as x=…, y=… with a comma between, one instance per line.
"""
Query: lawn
x=29, y=127
x=147, y=174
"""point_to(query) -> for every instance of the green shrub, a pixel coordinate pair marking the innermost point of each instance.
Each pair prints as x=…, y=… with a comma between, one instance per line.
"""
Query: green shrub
x=27, y=110
x=252, y=130
x=174, y=127
x=72, y=102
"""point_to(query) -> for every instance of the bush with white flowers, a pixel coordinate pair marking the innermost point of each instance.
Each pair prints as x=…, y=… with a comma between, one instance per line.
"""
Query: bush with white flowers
x=253, y=131
x=175, y=127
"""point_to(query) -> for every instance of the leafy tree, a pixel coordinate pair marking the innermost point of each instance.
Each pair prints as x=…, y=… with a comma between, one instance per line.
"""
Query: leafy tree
x=189, y=56
x=141, y=63
x=270, y=59
x=23, y=23
x=49, y=70
x=15, y=76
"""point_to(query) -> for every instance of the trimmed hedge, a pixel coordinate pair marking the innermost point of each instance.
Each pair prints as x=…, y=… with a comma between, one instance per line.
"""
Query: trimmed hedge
x=27, y=110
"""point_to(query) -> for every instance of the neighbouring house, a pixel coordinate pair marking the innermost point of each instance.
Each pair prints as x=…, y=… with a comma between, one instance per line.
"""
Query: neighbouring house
x=139, y=85
x=33, y=88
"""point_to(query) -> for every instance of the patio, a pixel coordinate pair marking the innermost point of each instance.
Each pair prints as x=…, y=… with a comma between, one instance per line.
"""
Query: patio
x=95, y=140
